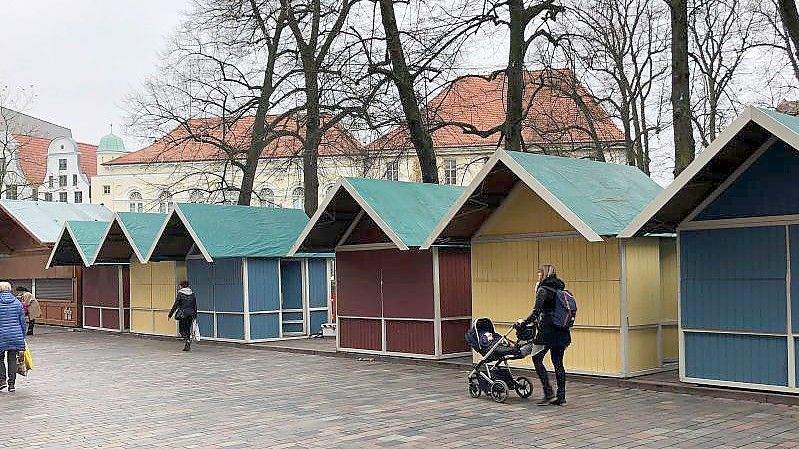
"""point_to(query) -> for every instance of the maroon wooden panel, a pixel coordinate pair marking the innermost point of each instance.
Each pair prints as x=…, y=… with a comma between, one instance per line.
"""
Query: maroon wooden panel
x=410, y=337
x=110, y=319
x=101, y=286
x=407, y=283
x=358, y=283
x=126, y=286
x=360, y=334
x=455, y=275
x=127, y=319
x=367, y=231
x=453, y=336
x=91, y=317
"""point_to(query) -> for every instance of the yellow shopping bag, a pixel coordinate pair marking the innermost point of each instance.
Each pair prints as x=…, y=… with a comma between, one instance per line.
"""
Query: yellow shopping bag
x=28, y=358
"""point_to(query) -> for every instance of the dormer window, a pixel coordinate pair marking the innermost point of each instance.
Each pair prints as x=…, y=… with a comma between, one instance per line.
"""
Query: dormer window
x=62, y=163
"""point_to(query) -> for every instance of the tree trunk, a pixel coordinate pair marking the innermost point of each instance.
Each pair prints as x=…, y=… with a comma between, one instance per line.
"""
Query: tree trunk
x=257, y=141
x=790, y=20
x=420, y=136
x=515, y=76
x=680, y=88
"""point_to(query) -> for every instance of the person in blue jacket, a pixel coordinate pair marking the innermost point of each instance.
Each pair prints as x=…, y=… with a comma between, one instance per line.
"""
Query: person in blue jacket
x=12, y=335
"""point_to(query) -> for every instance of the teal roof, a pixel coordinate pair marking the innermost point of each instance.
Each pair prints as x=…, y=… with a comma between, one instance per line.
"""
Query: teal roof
x=141, y=228
x=789, y=121
x=606, y=197
x=87, y=237
x=45, y=220
x=111, y=143
x=411, y=210
x=242, y=231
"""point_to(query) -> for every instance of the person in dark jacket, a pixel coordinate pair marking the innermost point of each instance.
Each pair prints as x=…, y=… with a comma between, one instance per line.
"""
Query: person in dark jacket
x=12, y=336
x=554, y=339
x=185, y=311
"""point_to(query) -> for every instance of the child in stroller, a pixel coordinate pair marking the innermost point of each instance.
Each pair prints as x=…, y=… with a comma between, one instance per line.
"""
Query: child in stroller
x=492, y=374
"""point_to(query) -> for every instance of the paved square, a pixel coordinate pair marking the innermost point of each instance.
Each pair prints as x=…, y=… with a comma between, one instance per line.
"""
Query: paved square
x=93, y=390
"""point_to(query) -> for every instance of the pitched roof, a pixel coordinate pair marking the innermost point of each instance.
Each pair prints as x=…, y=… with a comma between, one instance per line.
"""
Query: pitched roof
x=44, y=220
x=79, y=240
x=140, y=229
x=32, y=153
x=221, y=231
x=198, y=140
x=405, y=211
x=746, y=137
x=596, y=198
x=552, y=116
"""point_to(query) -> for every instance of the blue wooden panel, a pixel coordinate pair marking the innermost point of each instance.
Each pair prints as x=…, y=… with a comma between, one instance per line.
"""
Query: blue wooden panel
x=291, y=283
x=318, y=317
x=230, y=326
x=228, y=286
x=733, y=279
x=264, y=326
x=739, y=358
x=263, y=284
x=201, y=278
x=294, y=328
x=317, y=280
x=796, y=358
x=768, y=187
x=206, y=323
x=794, y=238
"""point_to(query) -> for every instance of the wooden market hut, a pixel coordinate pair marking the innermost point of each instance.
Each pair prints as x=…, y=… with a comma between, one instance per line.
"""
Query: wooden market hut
x=523, y=210
x=104, y=288
x=391, y=296
x=736, y=213
x=237, y=261
x=29, y=229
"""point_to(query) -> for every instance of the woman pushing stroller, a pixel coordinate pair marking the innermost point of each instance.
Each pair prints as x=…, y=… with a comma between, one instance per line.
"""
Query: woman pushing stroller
x=555, y=339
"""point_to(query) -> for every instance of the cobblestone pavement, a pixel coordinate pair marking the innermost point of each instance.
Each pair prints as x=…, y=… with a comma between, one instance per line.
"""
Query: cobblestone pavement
x=93, y=390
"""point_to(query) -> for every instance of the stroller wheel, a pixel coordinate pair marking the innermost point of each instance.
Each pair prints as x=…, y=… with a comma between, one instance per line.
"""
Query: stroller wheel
x=474, y=387
x=499, y=391
x=524, y=388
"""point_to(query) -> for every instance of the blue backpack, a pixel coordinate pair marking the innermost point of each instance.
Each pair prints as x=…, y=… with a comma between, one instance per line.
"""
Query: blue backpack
x=565, y=311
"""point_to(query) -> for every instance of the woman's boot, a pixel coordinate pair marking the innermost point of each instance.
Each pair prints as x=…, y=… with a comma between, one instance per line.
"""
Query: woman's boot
x=187, y=346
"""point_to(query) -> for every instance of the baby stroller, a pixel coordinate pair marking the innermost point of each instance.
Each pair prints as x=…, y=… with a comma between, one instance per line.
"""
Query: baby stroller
x=492, y=375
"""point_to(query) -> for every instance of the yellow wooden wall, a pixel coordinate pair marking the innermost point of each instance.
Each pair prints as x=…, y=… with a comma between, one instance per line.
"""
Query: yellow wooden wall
x=152, y=293
x=668, y=298
x=524, y=212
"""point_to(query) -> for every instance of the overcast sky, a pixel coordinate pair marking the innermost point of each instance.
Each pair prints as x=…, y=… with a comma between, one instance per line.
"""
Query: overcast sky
x=82, y=57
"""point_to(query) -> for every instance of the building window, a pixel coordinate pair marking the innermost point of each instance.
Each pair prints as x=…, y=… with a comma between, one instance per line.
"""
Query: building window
x=196, y=196
x=450, y=171
x=106, y=190
x=62, y=180
x=62, y=197
x=48, y=196
x=50, y=182
x=62, y=164
x=74, y=180
x=78, y=197
x=298, y=198
x=11, y=192
x=266, y=197
x=35, y=194
x=328, y=189
x=165, y=202
x=135, y=201
x=392, y=171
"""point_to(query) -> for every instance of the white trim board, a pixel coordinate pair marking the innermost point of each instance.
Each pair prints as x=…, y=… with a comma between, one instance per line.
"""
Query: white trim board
x=176, y=211
x=749, y=115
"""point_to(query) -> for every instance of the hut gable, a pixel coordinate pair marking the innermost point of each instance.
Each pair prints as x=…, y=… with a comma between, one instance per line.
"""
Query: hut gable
x=524, y=212
x=78, y=243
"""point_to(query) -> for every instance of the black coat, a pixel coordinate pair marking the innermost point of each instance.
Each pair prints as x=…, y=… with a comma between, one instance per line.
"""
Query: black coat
x=550, y=335
x=186, y=302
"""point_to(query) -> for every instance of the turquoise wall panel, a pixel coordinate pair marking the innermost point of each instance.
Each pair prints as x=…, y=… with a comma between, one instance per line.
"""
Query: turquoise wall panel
x=228, y=285
x=230, y=326
x=263, y=284
x=318, y=318
x=768, y=187
x=292, y=316
x=206, y=323
x=264, y=326
x=733, y=279
x=201, y=278
x=292, y=328
x=752, y=359
x=317, y=280
x=291, y=283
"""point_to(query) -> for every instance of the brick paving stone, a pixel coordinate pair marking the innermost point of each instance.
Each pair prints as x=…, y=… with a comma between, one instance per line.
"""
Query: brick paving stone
x=92, y=390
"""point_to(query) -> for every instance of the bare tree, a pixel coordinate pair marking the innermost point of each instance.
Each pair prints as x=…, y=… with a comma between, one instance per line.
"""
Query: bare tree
x=684, y=147
x=17, y=130
x=790, y=30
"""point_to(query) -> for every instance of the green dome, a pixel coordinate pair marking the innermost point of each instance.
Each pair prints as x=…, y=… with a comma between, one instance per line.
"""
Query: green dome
x=111, y=143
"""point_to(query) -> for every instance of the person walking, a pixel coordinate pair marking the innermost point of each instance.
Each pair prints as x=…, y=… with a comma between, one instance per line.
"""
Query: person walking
x=33, y=309
x=185, y=311
x=12, y=336
x=554, y=339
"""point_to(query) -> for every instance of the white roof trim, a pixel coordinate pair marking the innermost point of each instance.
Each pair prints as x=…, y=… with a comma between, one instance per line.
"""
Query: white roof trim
x=319, y=211
x=529, y=180
x=55, y=247
x=66, y=229
x=21, y=224
x=176, y=211
x=102, y=240
x=750, y=114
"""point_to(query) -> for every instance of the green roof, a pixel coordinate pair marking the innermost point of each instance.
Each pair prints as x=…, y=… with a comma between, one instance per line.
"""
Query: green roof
x=242, y=231
x=45, y=220
x=87, y=237
x=409, y=209
x=141, y=229
x=606, y=197
x=790, y=121
x=111, y=143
